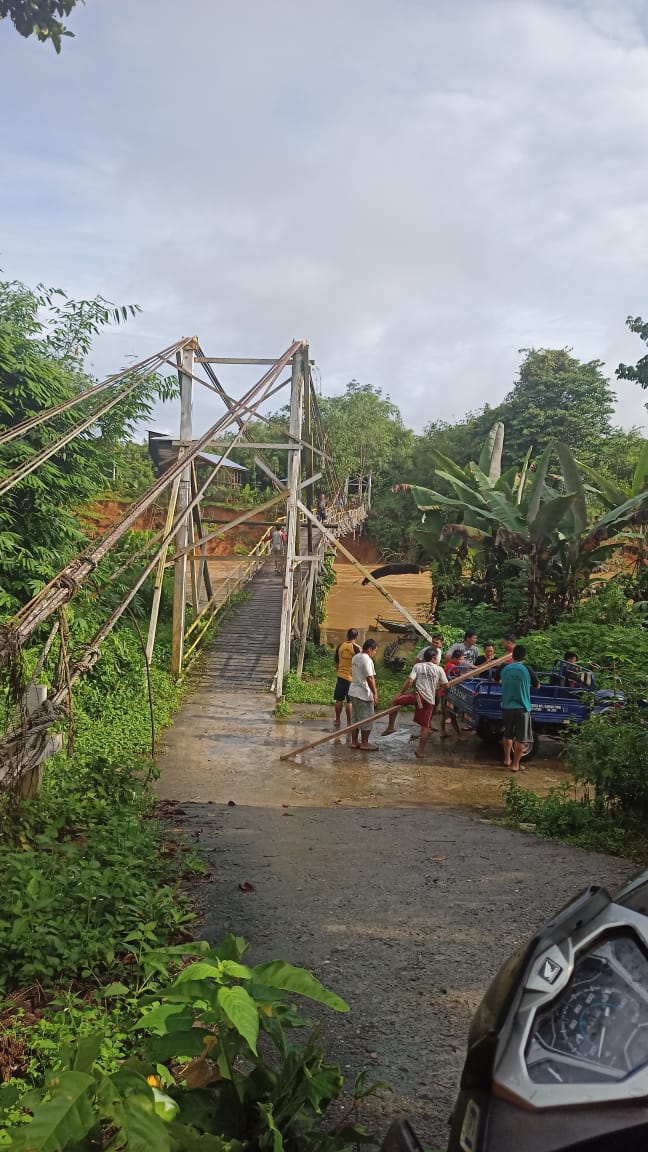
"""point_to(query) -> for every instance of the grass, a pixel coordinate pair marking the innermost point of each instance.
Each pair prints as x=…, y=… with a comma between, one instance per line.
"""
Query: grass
x=318, y=681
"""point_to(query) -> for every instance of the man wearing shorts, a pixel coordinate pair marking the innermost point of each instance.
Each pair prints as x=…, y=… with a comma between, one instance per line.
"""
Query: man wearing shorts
x=517, y=680
x=364, y=695
x=420, y=690
x=344, y=654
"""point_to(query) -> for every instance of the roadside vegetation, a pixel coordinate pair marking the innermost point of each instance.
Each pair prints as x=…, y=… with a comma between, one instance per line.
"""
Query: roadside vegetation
x=117, y=1028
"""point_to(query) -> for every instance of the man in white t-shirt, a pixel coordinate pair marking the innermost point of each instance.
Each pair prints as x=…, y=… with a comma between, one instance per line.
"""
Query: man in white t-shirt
x=436, y=645
x=420, y=690
x=363, y=695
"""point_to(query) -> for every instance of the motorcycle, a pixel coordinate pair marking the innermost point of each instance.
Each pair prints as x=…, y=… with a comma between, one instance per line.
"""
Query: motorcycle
x=557, y=1054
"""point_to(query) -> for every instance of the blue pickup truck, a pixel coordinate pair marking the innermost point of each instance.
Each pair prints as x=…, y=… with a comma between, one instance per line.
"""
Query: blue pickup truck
x=478, y=702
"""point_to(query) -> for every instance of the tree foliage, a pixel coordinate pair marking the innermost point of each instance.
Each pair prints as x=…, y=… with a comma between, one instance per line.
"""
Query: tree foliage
x=39, y=18
x=44, y=338
x=639, y=371
x=528, y=523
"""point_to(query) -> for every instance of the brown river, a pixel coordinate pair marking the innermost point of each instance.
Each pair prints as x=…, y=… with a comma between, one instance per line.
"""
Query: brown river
x=350, y=605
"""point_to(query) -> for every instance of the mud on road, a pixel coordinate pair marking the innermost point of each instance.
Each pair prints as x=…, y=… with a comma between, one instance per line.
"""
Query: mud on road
x=368, y=874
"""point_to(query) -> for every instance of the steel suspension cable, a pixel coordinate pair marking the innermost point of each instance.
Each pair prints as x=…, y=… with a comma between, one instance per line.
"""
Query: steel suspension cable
x=65, y=586
x=45, y=453
x=50, y=413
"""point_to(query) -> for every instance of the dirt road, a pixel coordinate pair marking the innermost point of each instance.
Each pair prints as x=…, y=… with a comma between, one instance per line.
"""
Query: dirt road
x=365, y=870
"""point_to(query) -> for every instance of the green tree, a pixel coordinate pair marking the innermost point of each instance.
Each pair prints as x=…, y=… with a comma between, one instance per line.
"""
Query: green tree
x=556, y=397
x=524, y=523
x=639, y=371
x=367, y=437
x=44, y=338
x=39, y=18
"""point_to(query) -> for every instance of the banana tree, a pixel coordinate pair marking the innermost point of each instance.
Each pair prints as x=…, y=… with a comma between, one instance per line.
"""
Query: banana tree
x=612, y=496
x=528, y=525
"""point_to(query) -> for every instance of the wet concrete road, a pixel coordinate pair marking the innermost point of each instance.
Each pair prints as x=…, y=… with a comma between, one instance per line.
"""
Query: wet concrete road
x=380, y=873
x=226, y=746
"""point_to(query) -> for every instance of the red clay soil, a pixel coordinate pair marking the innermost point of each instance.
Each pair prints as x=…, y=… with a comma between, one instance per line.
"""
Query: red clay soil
x=101, y=516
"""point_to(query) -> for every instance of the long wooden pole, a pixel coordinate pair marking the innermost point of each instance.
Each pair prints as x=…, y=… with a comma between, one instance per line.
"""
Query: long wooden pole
x=292, y=519
x=385, y=711
x=185, y=360
x=159, y=578
x=367, y=575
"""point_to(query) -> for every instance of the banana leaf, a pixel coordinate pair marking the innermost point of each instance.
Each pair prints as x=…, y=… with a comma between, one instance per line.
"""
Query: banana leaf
x=505, y=513
x=460, y=486
x=446, y=464
x=605, y=488
x=550, y=516
x=523, y=475
x=490, y=457
x=640, y=478
x=427, y=501
x=573, y=484
x=536, y=489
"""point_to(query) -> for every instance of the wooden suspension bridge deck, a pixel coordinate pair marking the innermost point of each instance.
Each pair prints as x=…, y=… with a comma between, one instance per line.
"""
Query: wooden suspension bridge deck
x=245, y=651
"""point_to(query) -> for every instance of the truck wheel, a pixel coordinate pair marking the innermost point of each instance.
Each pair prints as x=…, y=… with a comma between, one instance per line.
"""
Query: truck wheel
x=488, y=732
x=531, y=748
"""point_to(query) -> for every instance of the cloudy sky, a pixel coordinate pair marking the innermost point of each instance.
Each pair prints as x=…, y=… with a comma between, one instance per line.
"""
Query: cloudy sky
x=418, y=187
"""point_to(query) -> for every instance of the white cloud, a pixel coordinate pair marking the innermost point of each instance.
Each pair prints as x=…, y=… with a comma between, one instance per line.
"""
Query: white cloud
x=420, y=189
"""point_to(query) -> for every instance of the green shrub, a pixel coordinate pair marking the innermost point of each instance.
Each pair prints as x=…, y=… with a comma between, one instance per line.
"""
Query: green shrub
x=216, y=1067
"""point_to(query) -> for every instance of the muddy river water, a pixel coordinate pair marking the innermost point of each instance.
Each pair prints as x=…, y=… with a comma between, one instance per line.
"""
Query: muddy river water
x=352, y=605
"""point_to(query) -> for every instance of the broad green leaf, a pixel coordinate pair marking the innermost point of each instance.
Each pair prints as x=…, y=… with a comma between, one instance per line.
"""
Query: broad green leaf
x=624, y=512
x=238, y=971
x=278, y=974
x=165, y=1018
x=86, y=1053
x=490, y=457
x=428, y=501
x=535, y=490
x=505, y=513
x=445, y=464
x=144, y=1129
x=179, y=1045
x=464, y=490
x=640, y=478
x=551, y=515
x=115, y=989
x=241, y=1011
x=232, y=948
x=202, y=970
x=573, y=483
x=63, y=1120
x=523, y=476
x=612, y=495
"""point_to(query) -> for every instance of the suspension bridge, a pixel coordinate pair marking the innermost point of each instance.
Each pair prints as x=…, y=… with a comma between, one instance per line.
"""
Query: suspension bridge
x=271, y=628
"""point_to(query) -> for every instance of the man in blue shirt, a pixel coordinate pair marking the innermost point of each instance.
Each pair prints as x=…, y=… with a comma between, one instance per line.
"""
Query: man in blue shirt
x=517, y=680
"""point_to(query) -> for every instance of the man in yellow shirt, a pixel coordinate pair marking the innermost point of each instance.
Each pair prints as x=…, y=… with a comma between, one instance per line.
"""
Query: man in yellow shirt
x=344, y=654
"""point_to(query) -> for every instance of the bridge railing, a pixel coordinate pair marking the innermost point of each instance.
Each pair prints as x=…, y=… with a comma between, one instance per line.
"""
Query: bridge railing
x=234, y=582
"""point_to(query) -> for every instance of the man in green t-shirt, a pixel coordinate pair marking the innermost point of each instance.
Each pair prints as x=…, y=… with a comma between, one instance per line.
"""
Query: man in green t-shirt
x=517, y=680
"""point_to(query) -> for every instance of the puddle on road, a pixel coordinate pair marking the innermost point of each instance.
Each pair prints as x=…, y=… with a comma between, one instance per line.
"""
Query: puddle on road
x=227, y=746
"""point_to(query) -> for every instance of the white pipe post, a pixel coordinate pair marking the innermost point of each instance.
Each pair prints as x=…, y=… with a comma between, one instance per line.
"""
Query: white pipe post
x=186, y=370
x=292, y=517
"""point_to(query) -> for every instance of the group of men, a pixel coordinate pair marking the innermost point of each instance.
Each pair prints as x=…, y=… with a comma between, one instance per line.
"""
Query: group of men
x=425, y=687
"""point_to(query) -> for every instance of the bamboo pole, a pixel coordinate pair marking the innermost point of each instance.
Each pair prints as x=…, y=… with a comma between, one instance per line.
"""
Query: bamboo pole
x=365, y=572
x=292, y=519
x=385, y=711
x=159, y=577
